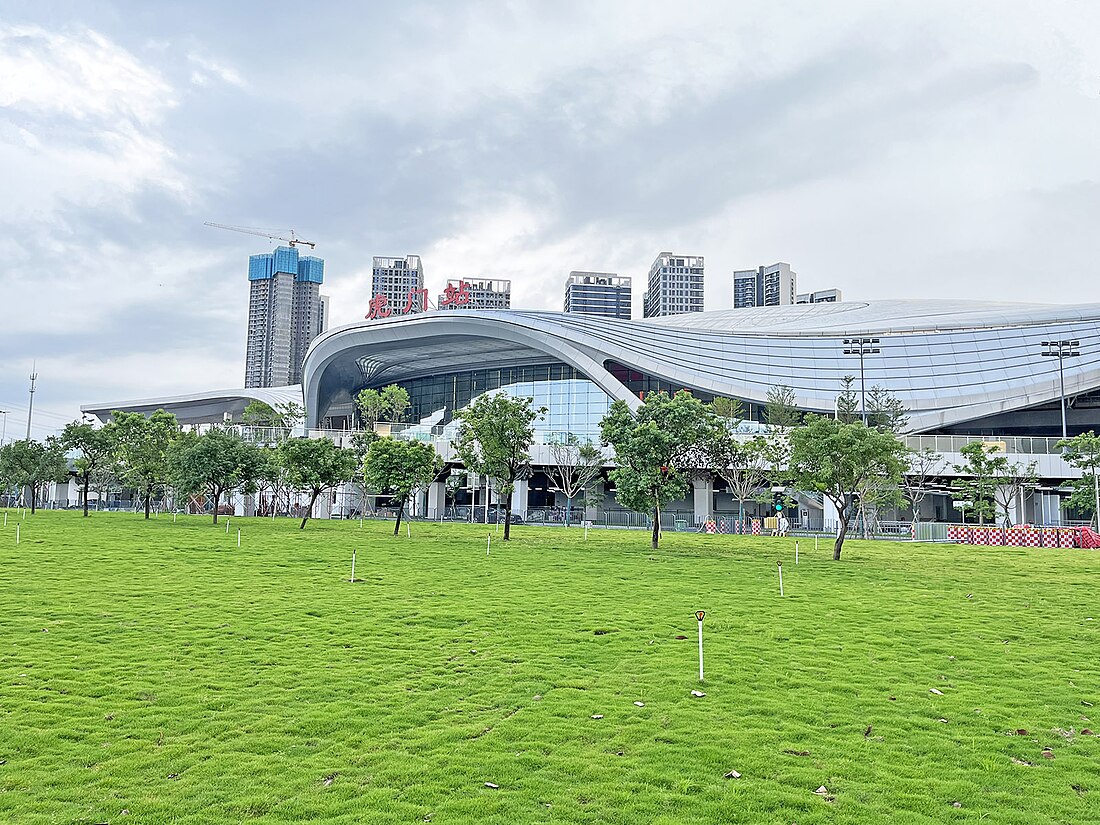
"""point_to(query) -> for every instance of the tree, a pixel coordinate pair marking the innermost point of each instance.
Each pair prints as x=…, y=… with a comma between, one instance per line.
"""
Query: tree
x=840, y=460
x=495, y=439
x=655, y=448
x=743, y=465
x=1083, y=452
x=1012, y=481
x=316, y=465
x=980, y=468
x=33, y=464
x=395, y=400
x=847, y=402
x=397, y=467
x=289, y=415
x=730, y=410
x=371, y=407
x=142, y=446
x=924, y=466
x=259, y=414
x=573, y=466
x=214, y=463
x=781, y=415
x=885, y=411
x=95, y=447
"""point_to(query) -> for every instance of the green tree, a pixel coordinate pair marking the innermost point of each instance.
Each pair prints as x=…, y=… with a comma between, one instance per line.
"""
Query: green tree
x=1083, y=452
x=847, y=402
x=214, y=463
x=316, y=465
x=33, y=465
x=924, y=467
x=781, y=415
x=730, y=410
x=885, y=411
x=495, y=439
x=371, y=407
x=574, y=465
x=840, y=460
x=95, y=448
x=395, y=400
x=980, y=470
x=142, y=446
x=655, y=448
x=397, y=468
x=743, y=465
x=259, y=414
x=1013, y=480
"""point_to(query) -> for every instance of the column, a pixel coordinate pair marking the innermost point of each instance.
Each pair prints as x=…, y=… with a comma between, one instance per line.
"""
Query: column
x=703, y=498
x=519, y=498
x=830, y=515
x=437, y=500
x=419, y=504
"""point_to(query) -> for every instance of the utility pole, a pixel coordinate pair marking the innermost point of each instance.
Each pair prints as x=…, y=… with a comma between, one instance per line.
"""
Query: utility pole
x=30, y=405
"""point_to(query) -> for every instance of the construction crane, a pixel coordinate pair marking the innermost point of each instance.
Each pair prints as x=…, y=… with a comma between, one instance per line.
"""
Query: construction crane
x=293, y=240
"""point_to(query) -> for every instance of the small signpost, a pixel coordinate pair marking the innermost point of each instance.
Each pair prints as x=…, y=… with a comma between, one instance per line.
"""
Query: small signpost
x=699, y=614
x=780, y=565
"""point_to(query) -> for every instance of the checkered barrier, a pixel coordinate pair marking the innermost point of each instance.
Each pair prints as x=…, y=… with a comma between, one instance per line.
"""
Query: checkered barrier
x=1021, y=536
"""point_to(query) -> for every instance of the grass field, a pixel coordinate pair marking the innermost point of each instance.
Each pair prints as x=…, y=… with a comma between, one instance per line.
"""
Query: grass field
x=153, y=672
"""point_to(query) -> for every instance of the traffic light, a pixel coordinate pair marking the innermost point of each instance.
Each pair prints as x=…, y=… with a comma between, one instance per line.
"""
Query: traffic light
x=778, y=502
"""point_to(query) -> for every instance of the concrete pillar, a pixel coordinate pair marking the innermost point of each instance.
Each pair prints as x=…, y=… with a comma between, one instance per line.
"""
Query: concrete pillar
x=830, y=514
x=437, y=500
x=519, y=498
x=419, y=503
x=250, y=504
x=703, y=498
x=592, y=508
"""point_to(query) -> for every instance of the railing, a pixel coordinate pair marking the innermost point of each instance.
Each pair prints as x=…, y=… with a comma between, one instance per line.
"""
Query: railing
x=1026, y=445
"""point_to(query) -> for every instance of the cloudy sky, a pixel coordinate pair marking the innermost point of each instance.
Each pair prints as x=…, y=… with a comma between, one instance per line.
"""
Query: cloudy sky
x=888, y=149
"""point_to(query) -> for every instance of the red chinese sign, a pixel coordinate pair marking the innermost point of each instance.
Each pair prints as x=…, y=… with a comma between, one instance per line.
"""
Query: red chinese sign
x=455, y=295
x=380, y=305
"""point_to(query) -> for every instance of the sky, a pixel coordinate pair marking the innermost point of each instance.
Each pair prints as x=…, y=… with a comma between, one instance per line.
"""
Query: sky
x=891, y=150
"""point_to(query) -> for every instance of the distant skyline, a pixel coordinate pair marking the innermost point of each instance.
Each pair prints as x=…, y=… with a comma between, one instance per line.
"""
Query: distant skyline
x=929, y=149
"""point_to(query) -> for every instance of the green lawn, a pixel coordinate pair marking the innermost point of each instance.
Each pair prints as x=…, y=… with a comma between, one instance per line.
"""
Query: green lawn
x=156, y=669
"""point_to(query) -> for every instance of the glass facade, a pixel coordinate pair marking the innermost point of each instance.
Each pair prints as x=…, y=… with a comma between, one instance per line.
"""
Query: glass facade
x=573, y=402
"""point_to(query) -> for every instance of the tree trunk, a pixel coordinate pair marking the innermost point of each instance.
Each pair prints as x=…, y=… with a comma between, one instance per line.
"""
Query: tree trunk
x=507, y=522
x=87, y=481
x=312, y=501
x=656, y=527
x=148, y=502
x=34, y=498
x=840, y=538
x=217, y=501
x=400, y=510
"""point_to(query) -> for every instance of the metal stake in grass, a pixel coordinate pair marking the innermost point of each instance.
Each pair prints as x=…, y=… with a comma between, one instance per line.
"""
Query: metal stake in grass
x=227, y=527
x=5, y=518
x=586, y=530
x=699, y=614
x=780, y=565
x=408, y=530
x=353, y=566
x=238, y=536
x=796, y=552
x=488, y=543
x=173, y=518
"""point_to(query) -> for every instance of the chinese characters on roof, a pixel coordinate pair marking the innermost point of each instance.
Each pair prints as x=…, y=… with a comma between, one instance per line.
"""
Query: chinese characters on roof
x=417, y=301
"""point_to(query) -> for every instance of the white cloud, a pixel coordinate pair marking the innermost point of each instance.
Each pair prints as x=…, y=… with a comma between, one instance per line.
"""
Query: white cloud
x=80, y=123
x=208, y=68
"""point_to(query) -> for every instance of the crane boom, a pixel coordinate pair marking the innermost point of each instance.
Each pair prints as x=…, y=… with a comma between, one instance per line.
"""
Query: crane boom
x=293, y=240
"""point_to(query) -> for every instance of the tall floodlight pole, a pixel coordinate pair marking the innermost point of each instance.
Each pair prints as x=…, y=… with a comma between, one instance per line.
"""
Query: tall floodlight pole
x=30, y=405
x=862, y=347
x=4, y=431
x=1062, y=350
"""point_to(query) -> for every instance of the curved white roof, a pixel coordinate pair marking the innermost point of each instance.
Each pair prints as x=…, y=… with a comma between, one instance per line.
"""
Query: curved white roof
x=948, y=361
x=201, y=407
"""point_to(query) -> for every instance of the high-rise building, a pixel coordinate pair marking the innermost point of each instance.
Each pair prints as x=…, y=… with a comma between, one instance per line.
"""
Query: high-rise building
x=285, y=313
x=476, y=294
x=401, y=281
x=675, y=286
x=766, y=286
x=598, y=293
x=821, y=296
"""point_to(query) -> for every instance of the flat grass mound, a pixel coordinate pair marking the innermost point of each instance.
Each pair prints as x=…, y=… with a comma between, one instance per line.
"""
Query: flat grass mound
x=153, y=672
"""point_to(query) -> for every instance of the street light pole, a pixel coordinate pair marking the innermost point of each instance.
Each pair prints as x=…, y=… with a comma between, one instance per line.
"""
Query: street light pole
x=1062, y=350
x=4, y=432
x=861, y=347
x=30, y=406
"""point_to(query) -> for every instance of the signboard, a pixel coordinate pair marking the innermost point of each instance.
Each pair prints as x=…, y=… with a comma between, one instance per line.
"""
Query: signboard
x=417, y=301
